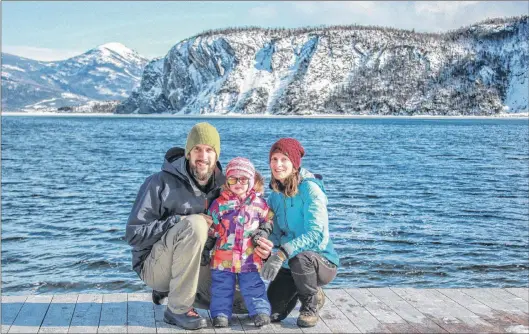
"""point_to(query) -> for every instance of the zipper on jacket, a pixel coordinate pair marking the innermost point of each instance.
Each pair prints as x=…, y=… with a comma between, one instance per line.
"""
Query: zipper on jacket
x=285, y=211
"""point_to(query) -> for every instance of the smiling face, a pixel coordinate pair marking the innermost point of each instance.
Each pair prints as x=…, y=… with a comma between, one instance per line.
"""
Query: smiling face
x=202, y=159
x=281, y=166
x=238, y=185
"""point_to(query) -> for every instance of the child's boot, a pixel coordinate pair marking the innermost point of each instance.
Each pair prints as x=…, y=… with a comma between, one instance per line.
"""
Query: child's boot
x=220, y=321
x=261, y=319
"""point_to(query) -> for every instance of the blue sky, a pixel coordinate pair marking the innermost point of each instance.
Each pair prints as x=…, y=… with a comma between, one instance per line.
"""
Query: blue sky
x=52, y=30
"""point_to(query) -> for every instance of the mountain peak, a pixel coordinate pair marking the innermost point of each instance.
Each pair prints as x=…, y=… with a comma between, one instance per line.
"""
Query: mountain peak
x=106, y=72
x=117, y=48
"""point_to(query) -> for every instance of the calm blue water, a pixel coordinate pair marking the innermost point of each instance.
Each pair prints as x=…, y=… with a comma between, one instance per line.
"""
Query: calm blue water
x=418, y=203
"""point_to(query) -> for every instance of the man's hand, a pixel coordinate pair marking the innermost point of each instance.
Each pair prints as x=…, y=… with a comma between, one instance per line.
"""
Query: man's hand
x=208, y=219
x=272, y=266
x=264, y=248
x=206, y=256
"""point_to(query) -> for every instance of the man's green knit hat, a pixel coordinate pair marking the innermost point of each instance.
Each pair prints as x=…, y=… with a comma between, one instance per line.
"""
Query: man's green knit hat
x=203, y=134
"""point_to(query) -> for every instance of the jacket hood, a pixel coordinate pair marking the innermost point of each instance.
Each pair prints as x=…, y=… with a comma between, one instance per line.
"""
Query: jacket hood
x=175, y=163
x=308, y=176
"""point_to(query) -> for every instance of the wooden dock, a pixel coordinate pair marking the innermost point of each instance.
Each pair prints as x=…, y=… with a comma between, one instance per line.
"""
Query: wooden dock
x=376, y=310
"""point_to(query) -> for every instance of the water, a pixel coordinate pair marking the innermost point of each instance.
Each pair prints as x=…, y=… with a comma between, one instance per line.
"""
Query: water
x=417, y=203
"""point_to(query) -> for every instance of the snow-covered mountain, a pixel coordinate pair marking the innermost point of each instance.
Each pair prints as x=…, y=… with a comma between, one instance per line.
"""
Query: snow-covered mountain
x=108, y=72
x=482, y=69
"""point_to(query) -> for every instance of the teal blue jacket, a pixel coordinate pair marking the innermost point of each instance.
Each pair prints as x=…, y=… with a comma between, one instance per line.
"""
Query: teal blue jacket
x=301, y=222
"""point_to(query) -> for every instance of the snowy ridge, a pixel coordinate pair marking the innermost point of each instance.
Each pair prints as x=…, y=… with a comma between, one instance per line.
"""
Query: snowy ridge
x=478, y=70
x=107, y=72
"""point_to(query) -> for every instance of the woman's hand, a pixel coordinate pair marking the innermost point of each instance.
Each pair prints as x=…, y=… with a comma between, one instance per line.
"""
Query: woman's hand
x=264, y=248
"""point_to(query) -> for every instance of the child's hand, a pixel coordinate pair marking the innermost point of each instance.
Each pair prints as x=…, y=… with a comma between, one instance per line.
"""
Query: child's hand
x=264, y=248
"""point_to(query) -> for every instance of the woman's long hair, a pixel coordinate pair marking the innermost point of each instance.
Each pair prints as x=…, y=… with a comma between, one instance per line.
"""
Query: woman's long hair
x=289, y=187
x=258, y=186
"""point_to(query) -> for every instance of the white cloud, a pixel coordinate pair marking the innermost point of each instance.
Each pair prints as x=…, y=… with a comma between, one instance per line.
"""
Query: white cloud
x=43, y=54
x=442, y=7
x=306, y=8
x=363, y=6
x=343, y=12
x=263, y=12
x=334, y=7
x=431, y=16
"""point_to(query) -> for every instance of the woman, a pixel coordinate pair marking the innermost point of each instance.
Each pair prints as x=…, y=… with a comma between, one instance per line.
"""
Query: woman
x=304, y=257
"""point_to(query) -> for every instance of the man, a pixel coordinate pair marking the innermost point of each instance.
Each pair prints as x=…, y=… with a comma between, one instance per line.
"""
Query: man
x=168, y=227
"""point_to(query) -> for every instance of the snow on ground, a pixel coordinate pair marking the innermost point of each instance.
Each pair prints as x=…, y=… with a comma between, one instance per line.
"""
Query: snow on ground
x=14, y=68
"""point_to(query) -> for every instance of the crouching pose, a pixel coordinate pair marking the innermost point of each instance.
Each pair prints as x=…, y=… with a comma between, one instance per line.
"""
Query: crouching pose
x=305, y=259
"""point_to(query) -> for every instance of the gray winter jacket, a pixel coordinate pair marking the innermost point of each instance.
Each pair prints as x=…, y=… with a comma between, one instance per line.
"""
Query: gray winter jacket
x=163, y=200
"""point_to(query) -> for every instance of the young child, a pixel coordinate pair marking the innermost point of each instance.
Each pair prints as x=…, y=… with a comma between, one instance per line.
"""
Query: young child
x=240, y=217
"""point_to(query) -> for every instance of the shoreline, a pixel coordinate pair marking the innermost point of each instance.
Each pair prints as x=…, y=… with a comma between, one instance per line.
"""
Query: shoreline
x=261, y=116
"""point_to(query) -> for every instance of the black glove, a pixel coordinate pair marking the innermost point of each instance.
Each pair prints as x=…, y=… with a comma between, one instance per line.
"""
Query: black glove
x=258, y=234
x=205, y=258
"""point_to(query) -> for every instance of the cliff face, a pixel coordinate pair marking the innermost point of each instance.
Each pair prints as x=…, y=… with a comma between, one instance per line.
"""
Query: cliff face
x=478, y=70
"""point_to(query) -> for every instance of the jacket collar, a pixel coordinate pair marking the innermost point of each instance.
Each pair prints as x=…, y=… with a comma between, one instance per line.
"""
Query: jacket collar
x=228, y=195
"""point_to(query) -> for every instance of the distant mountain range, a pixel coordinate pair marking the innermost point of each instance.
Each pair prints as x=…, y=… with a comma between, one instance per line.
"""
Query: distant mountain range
x=482, y=69
x=107, y=72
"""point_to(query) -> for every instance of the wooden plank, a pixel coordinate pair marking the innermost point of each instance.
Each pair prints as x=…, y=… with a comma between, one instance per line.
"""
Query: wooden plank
x=349, y=310
x=359, y=316
x=287, y=325
x=321, y=326
x=517, y=329
x=409, y=313
x=86, y=314
x=520, y=292
x=432, y=308
x=59, y=314
x=11, y=306
x=140, y=313
x=249, y=327
x=335, y=319
x=469, y=318
x=494, y=317
x=113, y=314
x=509, y=298
x=162, y=326
x=381, y=311
x=234, y=325
x=31, y=314
x=490, y=300
x=205, y=314
x=497, y=304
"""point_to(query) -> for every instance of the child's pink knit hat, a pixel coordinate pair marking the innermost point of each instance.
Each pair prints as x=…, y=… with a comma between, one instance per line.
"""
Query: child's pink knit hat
x=239, y=167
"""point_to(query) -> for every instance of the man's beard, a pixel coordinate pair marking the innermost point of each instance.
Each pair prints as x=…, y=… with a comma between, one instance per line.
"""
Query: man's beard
x=201, y=177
